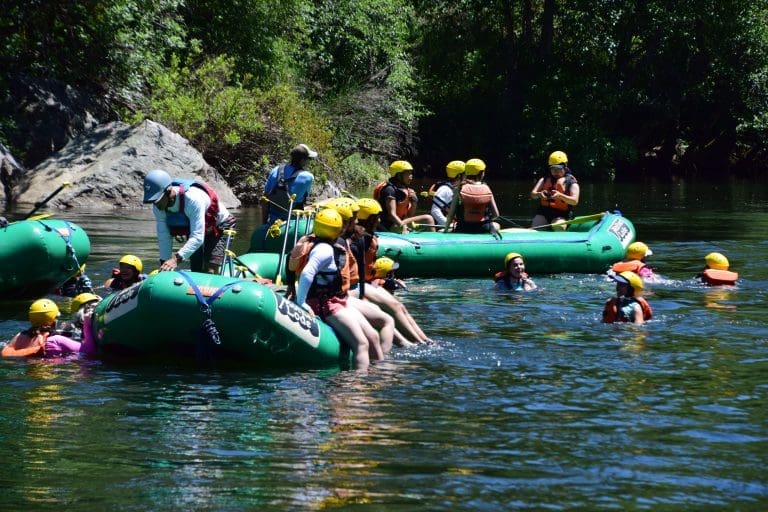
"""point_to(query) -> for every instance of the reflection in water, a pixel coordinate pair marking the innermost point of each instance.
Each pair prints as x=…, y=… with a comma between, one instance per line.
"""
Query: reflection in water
x=526, y=401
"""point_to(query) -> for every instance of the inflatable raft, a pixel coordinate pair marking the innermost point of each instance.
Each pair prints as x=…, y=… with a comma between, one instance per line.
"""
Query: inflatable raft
x=189, y=315
x=38, y=256
x=589, y=246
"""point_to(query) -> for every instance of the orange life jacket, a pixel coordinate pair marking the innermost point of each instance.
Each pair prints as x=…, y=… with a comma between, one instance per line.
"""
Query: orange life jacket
x=631, y=266
x=562, y=185
x=403, y=202
x=340, y=278
x=714, y=277
x=476, y=199
x=370, y=257
x=611, y=310
x=354, y=272
x=21, y=344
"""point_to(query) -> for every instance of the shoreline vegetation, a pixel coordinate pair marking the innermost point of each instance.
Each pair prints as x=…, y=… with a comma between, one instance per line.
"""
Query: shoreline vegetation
x=630, y=90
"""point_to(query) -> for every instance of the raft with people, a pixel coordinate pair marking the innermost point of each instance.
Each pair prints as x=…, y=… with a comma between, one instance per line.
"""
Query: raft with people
x=589, y=245
x=189, y=315
x=39, y=255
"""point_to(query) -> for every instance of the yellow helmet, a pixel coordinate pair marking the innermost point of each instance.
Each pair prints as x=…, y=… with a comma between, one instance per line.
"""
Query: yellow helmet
x=328, y=224
x=368, y=206
x=399, y=166
x=351, y=203
x=717, y=261
x=384, y=266
x=454, y=168
x=509, y=257
x=475, y=166
x=633, y=280
x=558, y=158
x=341, y=206
x=638, y=251
x=83, y=299
x=130, y=259
x=43, y=312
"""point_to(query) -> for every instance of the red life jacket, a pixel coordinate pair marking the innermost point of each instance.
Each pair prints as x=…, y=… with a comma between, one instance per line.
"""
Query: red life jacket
x=631, y=266
x=611, y=310
x=714, y=277
x=476, y=199
x=340, y=278
x=178, y=223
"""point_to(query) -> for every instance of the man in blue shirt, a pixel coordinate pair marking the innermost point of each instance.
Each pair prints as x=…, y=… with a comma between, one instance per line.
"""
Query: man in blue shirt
x=285, y=180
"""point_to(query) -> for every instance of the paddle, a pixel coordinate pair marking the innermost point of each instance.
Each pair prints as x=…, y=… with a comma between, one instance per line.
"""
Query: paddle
x=349, y=194
x=230, y=233
x=42, y=203
x=577, y=220
x=278, y=278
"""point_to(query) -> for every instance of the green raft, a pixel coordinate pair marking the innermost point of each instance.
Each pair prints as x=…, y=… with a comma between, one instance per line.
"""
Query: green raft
x=589, y=246
x=38, y=256
x=186, y=315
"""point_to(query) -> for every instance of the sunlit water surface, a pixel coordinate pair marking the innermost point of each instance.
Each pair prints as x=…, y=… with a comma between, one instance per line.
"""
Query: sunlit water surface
x=526, y=402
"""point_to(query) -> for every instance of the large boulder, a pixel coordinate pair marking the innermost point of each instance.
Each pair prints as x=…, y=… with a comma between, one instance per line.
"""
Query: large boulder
x=106, y=167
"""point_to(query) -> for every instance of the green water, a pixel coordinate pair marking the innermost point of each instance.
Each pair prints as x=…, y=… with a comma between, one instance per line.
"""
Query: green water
x=526, y=402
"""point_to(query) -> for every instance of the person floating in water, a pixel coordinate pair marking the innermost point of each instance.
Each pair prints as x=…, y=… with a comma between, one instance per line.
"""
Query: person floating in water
x=716, y=271
x=39, y=339
x=634, y=261
x=627, y=305
x=514, y=276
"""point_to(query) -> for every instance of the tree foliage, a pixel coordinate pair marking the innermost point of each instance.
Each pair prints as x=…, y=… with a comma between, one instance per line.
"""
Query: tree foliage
x=624, y=86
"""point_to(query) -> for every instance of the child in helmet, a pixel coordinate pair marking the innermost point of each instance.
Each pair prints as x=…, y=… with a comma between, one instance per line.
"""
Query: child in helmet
x=514, y=277
x=39, y=340
x=442, y=192
x=634, y=261
x=627, y=305
x=78, y=283
x=128, y=273
x=405, y=324
x=557, y=193
x=398, y=200
x=716, y=271
x=81, y=310
x=473, y=206
x=322, y=264
x=385, y=275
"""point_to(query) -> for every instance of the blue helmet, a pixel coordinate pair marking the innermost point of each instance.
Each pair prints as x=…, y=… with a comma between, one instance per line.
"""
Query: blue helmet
x=155, y=183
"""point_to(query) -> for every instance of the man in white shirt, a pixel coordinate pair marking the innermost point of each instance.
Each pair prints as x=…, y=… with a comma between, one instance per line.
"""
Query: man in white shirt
x=191, y=209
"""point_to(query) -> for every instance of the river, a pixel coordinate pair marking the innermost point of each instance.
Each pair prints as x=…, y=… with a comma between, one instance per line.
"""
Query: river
x=526, y=401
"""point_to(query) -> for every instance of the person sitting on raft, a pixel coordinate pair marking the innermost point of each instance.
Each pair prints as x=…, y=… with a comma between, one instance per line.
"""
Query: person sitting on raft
x=557, y=193
x=634, y=261
x=385, y=275
x=474, y=207
x=39, y=339
x=378, y=319
x=442, y=192
x=398, y=201
x=368, y=219
x=128, y=273
x=514, y=277
x=716, y=271
x=322, y=265
x=627, y=305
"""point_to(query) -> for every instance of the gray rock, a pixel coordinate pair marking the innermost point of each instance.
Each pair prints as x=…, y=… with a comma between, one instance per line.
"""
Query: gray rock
x=106, y=167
